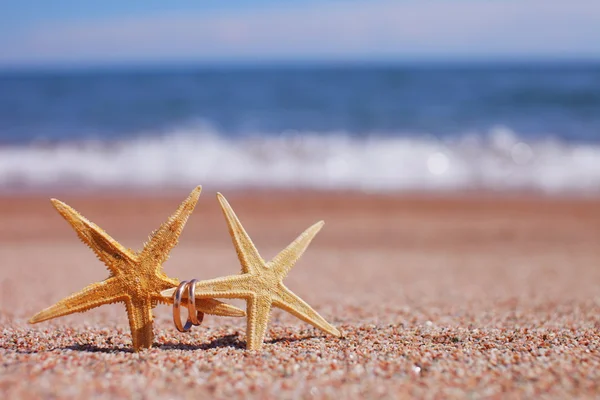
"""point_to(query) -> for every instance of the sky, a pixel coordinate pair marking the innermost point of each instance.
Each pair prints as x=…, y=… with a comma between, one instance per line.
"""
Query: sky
x=70, y=32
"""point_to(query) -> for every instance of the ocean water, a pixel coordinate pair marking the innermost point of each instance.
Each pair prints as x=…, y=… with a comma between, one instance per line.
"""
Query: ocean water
x=367, y=128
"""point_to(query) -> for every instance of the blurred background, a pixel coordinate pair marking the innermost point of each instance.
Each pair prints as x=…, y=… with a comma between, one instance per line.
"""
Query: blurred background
x=374, y=96
x=451, y=146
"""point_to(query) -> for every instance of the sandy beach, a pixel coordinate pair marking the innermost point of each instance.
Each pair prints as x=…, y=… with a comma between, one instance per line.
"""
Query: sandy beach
x=437, y=297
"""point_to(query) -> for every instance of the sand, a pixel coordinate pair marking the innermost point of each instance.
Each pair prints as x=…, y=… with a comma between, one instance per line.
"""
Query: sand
x=437, y=297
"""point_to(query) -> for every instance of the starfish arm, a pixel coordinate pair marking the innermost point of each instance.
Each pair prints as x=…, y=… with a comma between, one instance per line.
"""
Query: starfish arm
x=258, y=309
x=209, y=306
x=139, y=313
x=229, y=287
x=162, y=240
x=247, y=253
x=288, y=301
x=287, y=258
x=216, y=307
x=108, y=250
x=92, y=296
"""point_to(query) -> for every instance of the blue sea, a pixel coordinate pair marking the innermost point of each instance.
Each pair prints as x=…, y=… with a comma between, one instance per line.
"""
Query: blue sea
x=506, y=127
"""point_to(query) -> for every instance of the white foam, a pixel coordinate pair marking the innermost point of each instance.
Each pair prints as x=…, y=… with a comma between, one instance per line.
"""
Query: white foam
x=496, y=160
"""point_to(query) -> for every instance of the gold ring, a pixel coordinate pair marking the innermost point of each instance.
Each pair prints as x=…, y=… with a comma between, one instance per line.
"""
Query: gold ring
x=177, y=310
x=195, y=317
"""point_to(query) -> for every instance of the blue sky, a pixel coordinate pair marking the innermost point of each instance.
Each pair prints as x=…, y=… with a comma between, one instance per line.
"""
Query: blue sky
x=68, y=32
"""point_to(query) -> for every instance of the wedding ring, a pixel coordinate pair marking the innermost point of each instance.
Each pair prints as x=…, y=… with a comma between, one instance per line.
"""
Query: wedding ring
x=195, y=316
x=177, y=309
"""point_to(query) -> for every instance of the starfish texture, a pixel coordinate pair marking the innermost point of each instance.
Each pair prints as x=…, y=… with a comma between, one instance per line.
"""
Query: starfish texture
x=136, y=279
x=261, y=283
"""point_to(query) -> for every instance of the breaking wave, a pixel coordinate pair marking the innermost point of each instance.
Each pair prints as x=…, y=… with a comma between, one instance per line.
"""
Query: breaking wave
x=495, y=160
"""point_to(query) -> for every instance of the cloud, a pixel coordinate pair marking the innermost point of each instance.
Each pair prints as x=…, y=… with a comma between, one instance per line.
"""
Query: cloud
x=328, y=30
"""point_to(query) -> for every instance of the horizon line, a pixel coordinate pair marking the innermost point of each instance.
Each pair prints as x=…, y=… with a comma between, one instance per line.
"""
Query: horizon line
x=297, y=63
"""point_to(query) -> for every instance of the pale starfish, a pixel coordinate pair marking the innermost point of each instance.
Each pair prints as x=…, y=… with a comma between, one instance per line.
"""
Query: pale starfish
x=261, y=283
x=136, y=279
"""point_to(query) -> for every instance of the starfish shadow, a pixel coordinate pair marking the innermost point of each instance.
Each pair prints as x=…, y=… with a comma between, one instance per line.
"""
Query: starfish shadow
x=222, y=342
x=291, y=339
x=231, y=341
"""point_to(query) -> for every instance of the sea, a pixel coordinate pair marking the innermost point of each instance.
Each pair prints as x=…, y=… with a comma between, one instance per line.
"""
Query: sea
x=369, y=128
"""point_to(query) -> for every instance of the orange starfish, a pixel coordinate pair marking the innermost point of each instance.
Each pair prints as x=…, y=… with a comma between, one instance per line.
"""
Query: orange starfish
x=261, y=282
x=136, y=279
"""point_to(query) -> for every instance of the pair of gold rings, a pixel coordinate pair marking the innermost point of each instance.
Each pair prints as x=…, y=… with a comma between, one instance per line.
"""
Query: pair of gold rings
x=194, y=317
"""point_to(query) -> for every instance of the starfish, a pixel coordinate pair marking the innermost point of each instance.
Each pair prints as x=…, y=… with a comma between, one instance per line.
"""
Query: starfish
x=136, y=279
x=261, y=283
